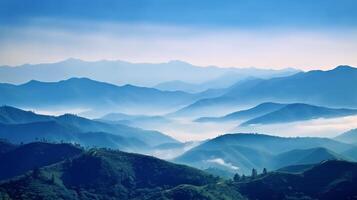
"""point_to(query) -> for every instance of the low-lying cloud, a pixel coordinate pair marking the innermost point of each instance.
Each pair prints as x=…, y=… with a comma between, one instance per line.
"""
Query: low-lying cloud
x=221, y=162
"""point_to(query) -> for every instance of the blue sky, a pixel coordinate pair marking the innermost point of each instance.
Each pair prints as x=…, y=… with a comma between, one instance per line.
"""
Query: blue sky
x=264, y=33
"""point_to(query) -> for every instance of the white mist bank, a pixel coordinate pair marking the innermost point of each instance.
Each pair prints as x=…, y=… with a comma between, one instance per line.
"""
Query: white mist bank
x=185, y=130
x=310, y=128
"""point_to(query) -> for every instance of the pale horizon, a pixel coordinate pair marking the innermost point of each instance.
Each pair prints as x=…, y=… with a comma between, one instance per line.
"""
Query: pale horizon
x=305, y=35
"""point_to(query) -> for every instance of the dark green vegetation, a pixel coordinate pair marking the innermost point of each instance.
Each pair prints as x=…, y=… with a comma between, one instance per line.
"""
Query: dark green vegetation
x=24, y=126
x=92, y=174
x=23, y=158
x=242, y=152
x=66, y=172
x=328, y=180
x=5, y=146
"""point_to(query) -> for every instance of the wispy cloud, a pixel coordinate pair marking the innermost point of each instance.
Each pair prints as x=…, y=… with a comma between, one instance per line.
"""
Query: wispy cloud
x=221, y=162
x=270, y=48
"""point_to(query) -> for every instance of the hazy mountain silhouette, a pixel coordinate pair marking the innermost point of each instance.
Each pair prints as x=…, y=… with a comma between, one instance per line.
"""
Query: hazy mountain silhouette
x=256, y=111
x=242, y=152
x=11, y=115
x=72, y=128
x=121, y=72
x=348, y=137
x=299, y=112
x=134, y=120
x=334, y=88
x=86, y=93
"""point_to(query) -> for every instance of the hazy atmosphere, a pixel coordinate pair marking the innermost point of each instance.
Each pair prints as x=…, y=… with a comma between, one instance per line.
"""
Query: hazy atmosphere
x=178, y=100
x=270, y=34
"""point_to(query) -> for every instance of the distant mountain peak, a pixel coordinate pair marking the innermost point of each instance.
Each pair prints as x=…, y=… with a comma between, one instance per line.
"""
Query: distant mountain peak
x=178, y=62
x=75, y=79
x=344, y=68
x=72, y=60
x=6, y=109
x=33, y=82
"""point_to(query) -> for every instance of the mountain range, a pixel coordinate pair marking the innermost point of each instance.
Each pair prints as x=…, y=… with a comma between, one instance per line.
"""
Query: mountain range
x=272, y=113
x=242, y=152
x=299, y=112
x=332, y=88
x=23, y=158
x=143, y=74
x=259, y=110
x=313, y=87
x=25, y=126
x=90, y=94
x=97, y=173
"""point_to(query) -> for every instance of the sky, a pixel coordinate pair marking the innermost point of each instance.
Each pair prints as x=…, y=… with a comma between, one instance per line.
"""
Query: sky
x=305, y=34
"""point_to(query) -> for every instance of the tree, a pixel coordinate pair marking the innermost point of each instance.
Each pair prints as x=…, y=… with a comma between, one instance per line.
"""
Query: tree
x=254, y=173
x=265, y=171
x=243, y=178
x=236, y=177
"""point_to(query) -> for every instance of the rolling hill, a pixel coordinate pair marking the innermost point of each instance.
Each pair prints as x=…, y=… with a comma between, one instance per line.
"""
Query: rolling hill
x=104, y=174
x=5, y=146
x=134, y=120
x=348, y=137
x=256, y=111
x=11, y=115
x=34, y=155
x=107, y=174
x=299, y=112
x=242, y=152
x=332, y=88
x=90, y=94
x=72, y=128
x=326, y=181
x=305, y=157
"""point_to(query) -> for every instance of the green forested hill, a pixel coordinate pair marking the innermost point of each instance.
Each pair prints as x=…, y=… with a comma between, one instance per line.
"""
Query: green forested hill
x=103, y=174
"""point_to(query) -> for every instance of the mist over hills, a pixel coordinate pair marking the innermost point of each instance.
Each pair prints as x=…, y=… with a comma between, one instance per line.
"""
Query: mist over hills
x=334, y=88
x=299, y=112
x=90, y=94
x=23, y=126
x=121, y=72
x=69, y=172
x=251, y=113
x=272, y=113
x=38, y=169
x=348, y=136
x=106, y=173
x=267, y=110
x=242, y=152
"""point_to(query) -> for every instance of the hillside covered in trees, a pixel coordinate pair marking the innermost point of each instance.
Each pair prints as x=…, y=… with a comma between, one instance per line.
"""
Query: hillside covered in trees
x=70, y=172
